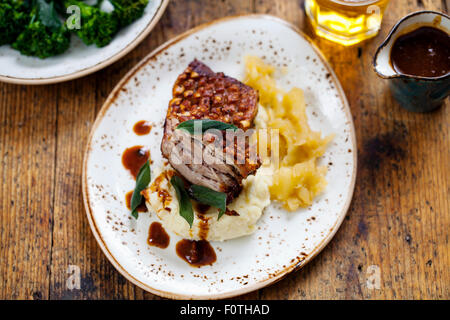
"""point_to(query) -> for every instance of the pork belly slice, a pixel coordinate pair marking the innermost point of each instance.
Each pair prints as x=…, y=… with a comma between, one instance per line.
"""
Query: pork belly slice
x=200, y=93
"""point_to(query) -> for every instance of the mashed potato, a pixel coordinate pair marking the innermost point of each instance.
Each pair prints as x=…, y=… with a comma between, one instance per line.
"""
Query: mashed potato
x=249, y=205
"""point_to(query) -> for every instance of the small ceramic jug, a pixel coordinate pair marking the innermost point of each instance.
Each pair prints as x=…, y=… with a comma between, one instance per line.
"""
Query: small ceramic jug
x=414, y=93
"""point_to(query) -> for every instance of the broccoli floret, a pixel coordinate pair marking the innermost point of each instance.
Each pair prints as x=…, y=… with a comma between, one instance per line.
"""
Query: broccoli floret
x=97, y=26
x=14, y=16
x=40, y=41
x=44, y=35
x=128, y=11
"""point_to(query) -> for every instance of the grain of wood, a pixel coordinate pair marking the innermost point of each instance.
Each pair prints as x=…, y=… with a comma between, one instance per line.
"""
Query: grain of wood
x=398, y=222
x=27, y=152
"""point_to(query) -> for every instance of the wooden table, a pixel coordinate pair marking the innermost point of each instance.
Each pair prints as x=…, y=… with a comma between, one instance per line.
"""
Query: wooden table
x=393, y=244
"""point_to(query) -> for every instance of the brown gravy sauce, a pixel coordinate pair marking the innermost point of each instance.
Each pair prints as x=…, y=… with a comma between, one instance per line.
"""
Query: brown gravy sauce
x=157, y=236
x=163, y=194
x=141, y=208
x=423, y=52
x=200, y=207
x=142, y=127
x=229, y=212
x=134, y=158
x=196, y=253
x=203, y=226
x=203, y=209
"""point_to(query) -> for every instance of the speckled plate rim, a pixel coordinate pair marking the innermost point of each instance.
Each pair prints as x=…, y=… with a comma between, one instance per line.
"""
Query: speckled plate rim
x=273, y=278
x=84, y=72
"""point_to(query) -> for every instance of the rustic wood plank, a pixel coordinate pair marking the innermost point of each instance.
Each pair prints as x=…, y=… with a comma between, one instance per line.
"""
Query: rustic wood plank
x=27, y=151
x=73, y=243
x=292, y=11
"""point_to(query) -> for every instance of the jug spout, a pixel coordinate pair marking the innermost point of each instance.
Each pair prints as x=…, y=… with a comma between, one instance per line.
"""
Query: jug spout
x=382, y=61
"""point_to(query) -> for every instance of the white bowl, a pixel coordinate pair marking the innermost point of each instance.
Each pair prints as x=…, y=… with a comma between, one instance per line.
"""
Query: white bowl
x=79, y=60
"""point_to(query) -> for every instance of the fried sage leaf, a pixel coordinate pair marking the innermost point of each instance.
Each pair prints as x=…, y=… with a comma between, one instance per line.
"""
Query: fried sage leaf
x=205, y=125
x=142, y=180
x=183, y=199
x=210, y=197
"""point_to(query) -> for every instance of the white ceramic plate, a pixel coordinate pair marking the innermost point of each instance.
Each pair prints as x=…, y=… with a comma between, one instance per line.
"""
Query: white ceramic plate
x=284, y=241
x=79, y=60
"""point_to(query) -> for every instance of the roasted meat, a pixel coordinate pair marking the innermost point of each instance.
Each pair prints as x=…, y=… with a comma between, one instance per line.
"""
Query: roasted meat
x=222, y=163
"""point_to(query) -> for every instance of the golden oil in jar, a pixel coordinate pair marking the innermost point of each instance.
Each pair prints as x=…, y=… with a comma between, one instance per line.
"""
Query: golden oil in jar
x=347, y=22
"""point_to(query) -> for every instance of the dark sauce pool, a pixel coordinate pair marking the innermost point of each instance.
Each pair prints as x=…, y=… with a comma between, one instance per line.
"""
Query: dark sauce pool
x=196, y=253
x=142, y=127
x=157, y=236
x=200, y=207
x=134, y=158
x=141, y=208
x=423, y=52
